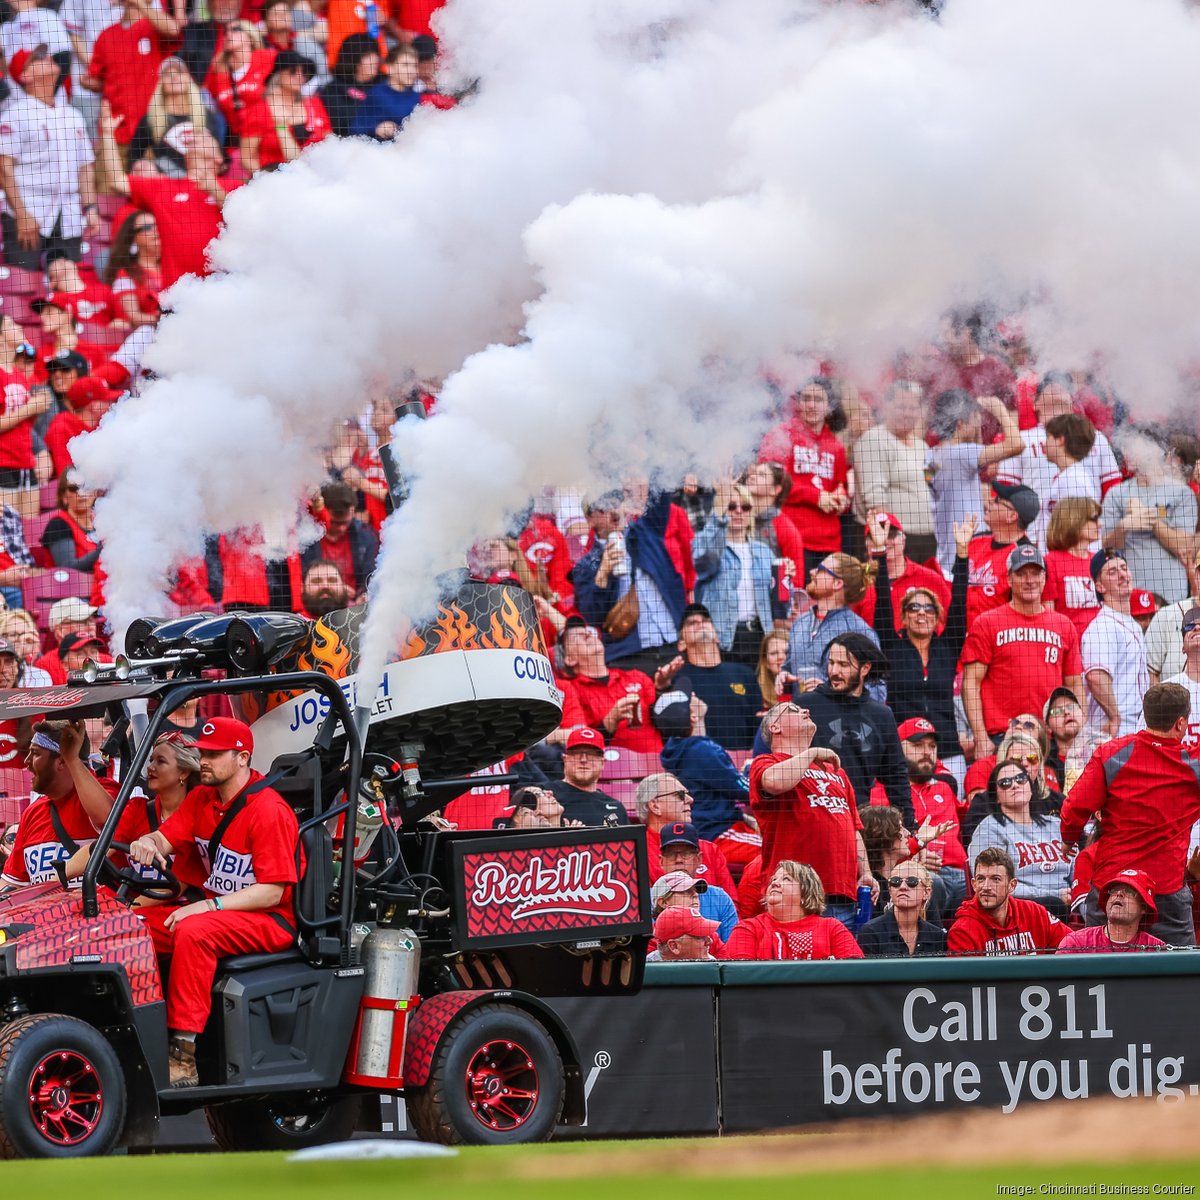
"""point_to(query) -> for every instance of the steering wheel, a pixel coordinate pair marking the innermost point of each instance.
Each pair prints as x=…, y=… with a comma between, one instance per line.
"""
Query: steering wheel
x=128, y=880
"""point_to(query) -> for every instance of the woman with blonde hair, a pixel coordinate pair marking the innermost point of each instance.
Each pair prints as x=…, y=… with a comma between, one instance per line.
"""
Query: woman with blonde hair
x=735, y=574
x=772, y=678
x=175, y=114
x=239, y=73
x=1071, y=538
x=902, y=931
x=792, y=927
x=19, y=628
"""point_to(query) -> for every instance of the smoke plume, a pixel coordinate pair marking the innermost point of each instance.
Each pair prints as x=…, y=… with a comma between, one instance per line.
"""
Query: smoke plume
x=647, y=202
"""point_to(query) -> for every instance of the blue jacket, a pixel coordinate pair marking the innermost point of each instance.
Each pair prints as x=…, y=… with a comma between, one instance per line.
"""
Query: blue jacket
x=719, y=790
x=718, y=572
x=648, y=551
x=808, y=643
x=717, y=905
x=383, y=103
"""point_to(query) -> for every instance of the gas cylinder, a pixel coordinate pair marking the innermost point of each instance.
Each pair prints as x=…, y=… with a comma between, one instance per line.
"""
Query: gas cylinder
x=392, y=962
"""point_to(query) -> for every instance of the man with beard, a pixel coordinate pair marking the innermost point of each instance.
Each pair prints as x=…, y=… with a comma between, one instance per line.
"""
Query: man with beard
x=1128, y=903
x=935, y=805
x=861, y=730
x=579, y=789
x=72, y=805
x=324, y=590
x=997, y=923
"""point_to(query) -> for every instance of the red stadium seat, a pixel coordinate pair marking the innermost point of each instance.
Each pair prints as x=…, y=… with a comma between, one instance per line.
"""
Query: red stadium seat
x=35, y=527
x=19, y=281
x=48, y=495
x=624, y=790
x=15, y=782
x=628, y=764
x=17, y=307
x=43, y=590
x=104, y=336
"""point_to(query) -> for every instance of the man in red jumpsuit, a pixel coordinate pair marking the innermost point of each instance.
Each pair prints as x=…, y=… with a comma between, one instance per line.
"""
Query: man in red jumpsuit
x=251, y=866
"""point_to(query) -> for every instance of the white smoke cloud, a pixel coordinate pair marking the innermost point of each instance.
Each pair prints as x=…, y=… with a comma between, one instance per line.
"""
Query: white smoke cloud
x=647, y=201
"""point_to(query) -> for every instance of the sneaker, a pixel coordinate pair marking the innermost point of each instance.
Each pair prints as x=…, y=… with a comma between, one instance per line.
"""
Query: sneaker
x=183, y=1064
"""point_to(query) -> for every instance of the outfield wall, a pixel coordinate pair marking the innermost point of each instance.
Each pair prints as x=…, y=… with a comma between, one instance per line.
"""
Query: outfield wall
x=734, y=1047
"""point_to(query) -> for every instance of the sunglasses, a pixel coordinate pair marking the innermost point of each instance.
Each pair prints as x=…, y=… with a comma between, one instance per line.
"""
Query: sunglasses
x=1062, y=709
x=144, y=228
x=740, y=508
x=827, y=570
x=910, y=881
x=1017, y=723
x=1189, y=628
x=1012, y=781
x=674, y=795
x=920, y=608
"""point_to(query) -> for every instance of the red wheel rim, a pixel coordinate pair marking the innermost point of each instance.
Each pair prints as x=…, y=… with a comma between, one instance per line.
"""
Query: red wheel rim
x=65, y=1098
x=502, y=1085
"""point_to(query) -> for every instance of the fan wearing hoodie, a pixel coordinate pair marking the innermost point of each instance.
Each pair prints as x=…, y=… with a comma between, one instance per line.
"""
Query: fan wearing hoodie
x=720, y=792
x=994, y=922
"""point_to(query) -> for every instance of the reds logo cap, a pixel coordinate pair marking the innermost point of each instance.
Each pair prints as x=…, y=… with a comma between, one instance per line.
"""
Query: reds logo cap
x=1138, y=880
x=586, y=739
x=916, y=727
x=225, y=733
x=1142, y=604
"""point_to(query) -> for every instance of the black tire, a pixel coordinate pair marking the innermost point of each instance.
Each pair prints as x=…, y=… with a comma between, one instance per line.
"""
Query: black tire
x=283, y=1122
x=464, y=1100
x=62, y=1091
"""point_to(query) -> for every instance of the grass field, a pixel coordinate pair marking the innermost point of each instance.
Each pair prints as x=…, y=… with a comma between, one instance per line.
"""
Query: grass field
x=587, y=1171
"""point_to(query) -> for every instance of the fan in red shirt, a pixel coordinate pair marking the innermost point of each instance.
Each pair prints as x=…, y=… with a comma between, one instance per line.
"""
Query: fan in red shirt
x=17, y=416
x=994, y=922
x=615, y=701
x=1128, y=903
x=187, y=211
x=804, y=804
x=1009, y=510
x=1070, y=590
x=792, y=927
x=549, y=557
x=276, y=128
x=238, y=74
x=1016, y=655
x=816, y=464
x=1146, y=789
x=125, y=62
x=88, y=400
x=251, y=870
x=72, y=807
x=87, y=300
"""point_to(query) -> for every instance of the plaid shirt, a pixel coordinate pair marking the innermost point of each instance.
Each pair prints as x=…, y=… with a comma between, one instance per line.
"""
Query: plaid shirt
x=12, y=536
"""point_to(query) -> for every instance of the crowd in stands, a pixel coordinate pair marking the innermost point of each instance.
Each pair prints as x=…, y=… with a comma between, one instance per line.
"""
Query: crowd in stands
x=923, y=676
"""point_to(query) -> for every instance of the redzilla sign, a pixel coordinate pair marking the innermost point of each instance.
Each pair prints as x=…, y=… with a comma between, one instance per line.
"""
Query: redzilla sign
x=560, y=886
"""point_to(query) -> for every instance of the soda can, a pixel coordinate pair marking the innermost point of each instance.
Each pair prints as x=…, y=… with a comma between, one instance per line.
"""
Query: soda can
x=865, y=910
x=783, y=581
x=622, y=567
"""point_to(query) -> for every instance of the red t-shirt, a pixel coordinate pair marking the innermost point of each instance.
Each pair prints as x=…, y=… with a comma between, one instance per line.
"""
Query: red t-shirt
x=816, y=464
x=1026, y=659
x=915, y=576
x=258, y=122
x=37, y=847
x=185, y=863
x=546, y=549
x=1070, y=589
x=234, y=97
x=341, y=554
x=188, y=219
x=145, y=292
x=259, y=844
x=987, y=583
x=94, y=303
x=1028, y=929
x=243, y=568
x=1095, y=939
x=713, y=868
x=16, y=445
x=763, y=937
x=62, y=429
x=588, y=701
x=936, y=802
x=814, y=823
x=126, y=62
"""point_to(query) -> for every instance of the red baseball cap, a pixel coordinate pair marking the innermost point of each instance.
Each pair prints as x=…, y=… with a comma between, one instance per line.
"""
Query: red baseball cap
x=1138, y=880
x=916, y=727
x=89, y=389
x=586, y=738
x=680, y=922
x=1142, y=604
x=225, y=733
x=893, y=522
x=22, y=58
